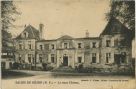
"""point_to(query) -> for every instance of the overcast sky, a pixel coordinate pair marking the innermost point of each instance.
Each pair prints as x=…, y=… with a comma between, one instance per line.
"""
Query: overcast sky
x=63, y=17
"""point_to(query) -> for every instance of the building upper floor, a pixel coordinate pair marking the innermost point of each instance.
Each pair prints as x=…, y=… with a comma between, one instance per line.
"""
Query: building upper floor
x=114, y=35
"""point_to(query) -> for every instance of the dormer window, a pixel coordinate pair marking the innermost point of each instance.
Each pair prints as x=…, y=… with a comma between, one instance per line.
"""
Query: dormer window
x=25, y=34
x=108, y=42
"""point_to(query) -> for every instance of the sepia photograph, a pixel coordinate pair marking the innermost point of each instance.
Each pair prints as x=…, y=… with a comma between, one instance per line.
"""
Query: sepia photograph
x=56, y=44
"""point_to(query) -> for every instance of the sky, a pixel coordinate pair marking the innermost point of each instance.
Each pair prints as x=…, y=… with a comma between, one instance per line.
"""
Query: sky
x=63, y=17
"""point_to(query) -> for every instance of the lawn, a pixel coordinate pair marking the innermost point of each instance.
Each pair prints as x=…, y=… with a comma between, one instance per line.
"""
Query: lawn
x=8, y=74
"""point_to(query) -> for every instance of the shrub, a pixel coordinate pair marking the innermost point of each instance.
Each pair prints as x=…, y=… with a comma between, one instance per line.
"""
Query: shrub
x=16, y=65
x=82, y=69
x=70, y=66
x=44, y=65
x=47, y=67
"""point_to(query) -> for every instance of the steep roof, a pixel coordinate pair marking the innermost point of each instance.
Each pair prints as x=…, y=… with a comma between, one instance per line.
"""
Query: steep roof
x=114, y=26
x=33, y=33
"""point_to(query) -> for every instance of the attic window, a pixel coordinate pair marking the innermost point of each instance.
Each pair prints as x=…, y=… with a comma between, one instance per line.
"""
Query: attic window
x=25, y=34
x=108, y=43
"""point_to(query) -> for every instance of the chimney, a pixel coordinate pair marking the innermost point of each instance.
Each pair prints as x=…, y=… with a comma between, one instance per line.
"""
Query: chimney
x=87, y=34
x=41, y=26
x=25, y=26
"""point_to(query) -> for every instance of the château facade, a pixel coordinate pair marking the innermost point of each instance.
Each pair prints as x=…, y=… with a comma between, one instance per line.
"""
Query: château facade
x=112, y=47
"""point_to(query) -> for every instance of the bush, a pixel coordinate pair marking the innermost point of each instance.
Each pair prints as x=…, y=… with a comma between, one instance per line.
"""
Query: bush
x=47, y=67
x=79, y=68
x=16, y=65
x=70, y=66
x=82, y=69
x=44, y=65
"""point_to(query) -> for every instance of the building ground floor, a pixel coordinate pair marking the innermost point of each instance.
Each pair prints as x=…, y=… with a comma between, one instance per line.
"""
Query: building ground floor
x=7, y=64
x=73, y=58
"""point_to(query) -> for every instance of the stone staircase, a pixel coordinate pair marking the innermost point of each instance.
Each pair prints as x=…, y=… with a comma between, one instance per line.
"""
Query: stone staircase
x=64, y=69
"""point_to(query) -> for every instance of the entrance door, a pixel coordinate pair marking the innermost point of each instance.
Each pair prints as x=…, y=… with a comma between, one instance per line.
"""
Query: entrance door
x=65, y=61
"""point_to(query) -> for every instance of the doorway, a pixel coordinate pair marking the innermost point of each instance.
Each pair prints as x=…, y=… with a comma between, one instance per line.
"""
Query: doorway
x=65, y=61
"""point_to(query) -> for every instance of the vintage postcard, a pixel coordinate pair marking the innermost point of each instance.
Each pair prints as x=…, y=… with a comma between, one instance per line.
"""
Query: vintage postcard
x=68, y=44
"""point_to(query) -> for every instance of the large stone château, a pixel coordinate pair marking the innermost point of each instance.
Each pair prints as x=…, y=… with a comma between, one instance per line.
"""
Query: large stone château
x=112, y=47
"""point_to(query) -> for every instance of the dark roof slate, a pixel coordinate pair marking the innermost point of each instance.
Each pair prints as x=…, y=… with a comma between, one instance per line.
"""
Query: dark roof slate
x=33, y=33
x=114, y=26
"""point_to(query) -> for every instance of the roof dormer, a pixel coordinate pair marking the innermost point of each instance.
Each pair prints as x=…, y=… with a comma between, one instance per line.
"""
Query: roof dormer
x=24, y=34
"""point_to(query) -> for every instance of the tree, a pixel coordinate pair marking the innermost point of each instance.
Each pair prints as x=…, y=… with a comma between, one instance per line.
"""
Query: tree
x=124, y=11
x=8, y=16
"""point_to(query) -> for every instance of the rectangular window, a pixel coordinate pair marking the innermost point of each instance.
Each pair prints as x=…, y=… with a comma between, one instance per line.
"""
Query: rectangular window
x=94, y=44
x=25, y=35
x=3, y=65
x=65, y=45
x=40, y=58
x=33, y=60
x=93, y=57
x=29, y=58
x=19, y=58
x=20, y=46
x=108, y=43
x=52, y=58
x=123, y=57
x=29, y=46
x=108, y=56
x=79, y=45
x=52, y=46
x=79, y=59
x=116, y=42
x=41, y=47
